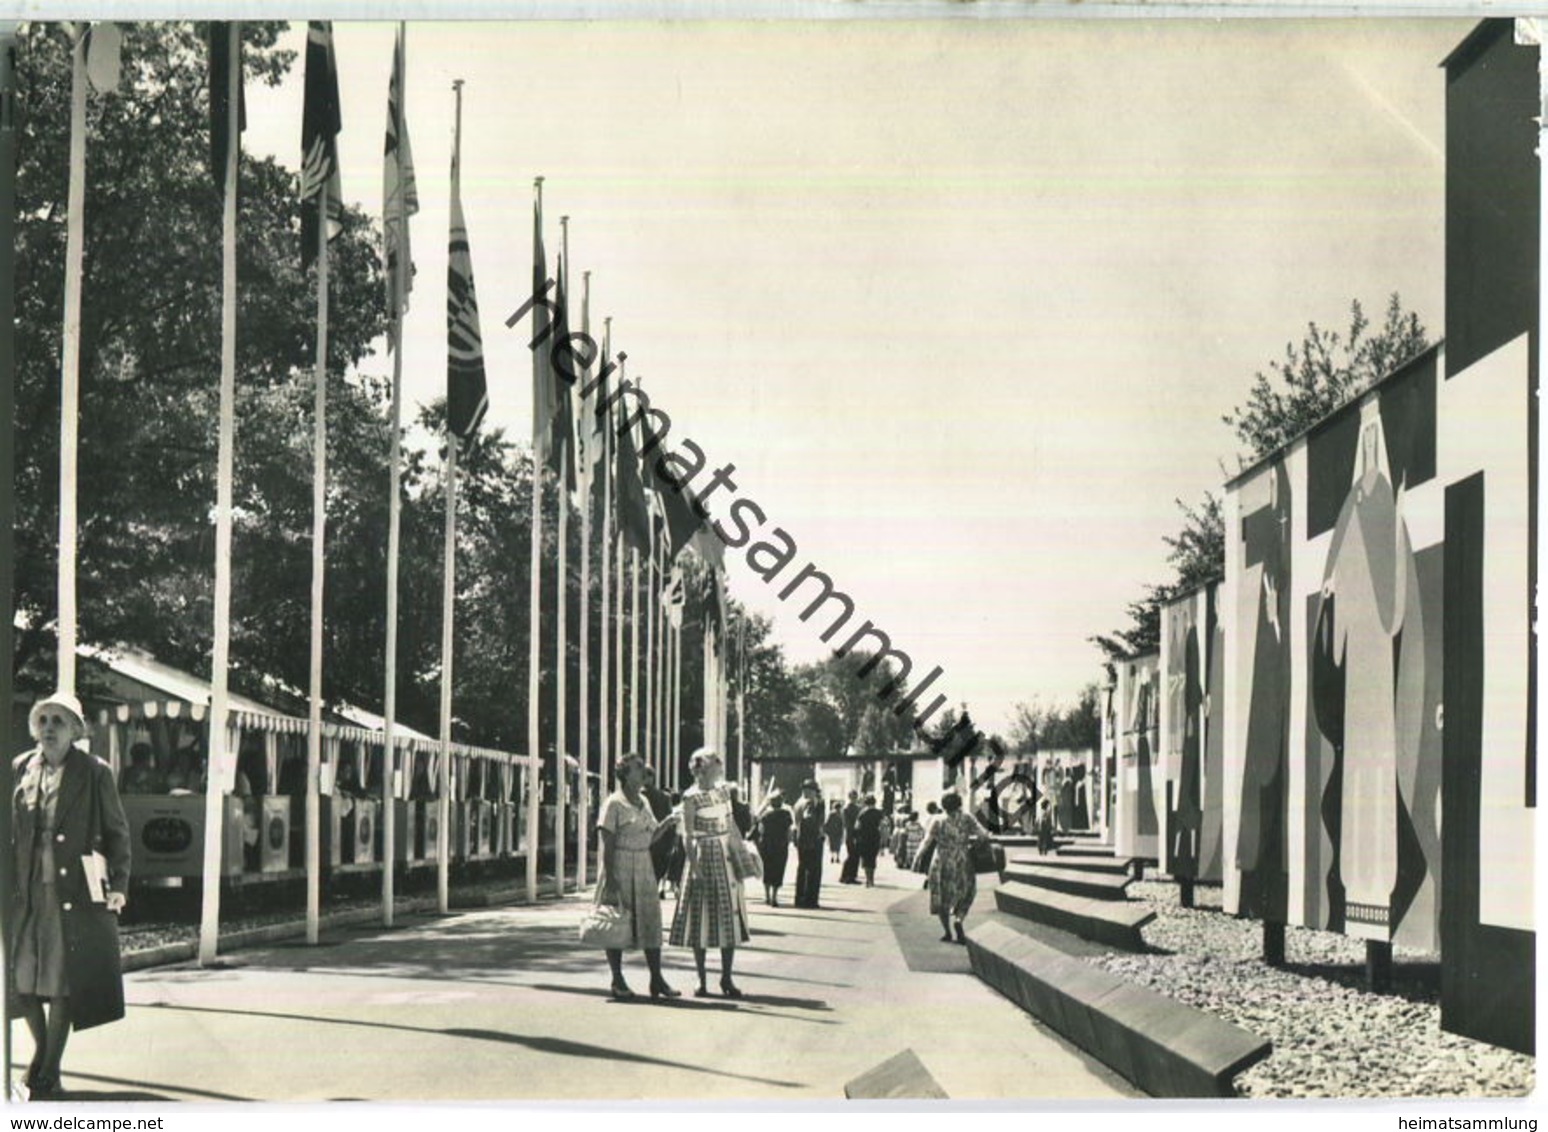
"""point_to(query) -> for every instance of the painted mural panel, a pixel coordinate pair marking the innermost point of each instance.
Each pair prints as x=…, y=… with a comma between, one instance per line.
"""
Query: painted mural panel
x=1106, y=786
x=1138, y=824
x=1212, y=832
x=1258, y=551
x=1488, y=975
x=1372, y=837
x=1190, y=727
x=1338, y=739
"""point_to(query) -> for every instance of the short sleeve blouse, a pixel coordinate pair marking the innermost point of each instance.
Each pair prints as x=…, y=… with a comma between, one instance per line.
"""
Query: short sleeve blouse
x=630, y=825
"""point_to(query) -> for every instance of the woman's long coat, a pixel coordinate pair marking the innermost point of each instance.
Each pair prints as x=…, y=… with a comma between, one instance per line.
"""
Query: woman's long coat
x=92, y=956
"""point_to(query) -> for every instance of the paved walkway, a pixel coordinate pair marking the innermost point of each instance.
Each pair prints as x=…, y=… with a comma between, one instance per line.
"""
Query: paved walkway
x=501, y=1005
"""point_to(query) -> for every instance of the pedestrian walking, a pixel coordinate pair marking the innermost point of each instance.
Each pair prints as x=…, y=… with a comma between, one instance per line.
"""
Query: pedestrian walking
x=711, y=911
x=666, y=852
x=627, y=879
x=911, y=837
x=953, y=884
x=868, y=837
x=851, y=871
x=70, y=850
x=833, y=829
x=1045, y=825
x=808, y=833
x=774, y=827
x=741, y=812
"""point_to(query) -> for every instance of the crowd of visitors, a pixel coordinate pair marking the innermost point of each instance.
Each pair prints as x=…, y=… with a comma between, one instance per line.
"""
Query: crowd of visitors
x=700, y=847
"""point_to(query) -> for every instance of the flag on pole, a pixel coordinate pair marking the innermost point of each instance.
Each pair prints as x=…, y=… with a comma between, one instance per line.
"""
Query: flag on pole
x=707, y=544
x=634, y=516
x=677, y=507
x=320, y=125
x=597, y=421
x=467, y=395
x=586, y=437
x=220, y=85
x=104, y=56
x=675, y=596
x=561, y=440
x=544, y=388
x=400, y=199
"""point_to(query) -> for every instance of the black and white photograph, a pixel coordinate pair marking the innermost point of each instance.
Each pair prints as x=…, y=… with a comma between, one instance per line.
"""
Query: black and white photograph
x=798, y=556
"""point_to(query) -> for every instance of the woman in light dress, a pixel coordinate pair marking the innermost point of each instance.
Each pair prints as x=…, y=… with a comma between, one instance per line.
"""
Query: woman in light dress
x=627, y=880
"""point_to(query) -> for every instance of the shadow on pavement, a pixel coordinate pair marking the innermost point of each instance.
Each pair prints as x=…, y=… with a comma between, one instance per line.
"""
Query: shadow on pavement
x=558, y=1046
x=450, y=949
x=137, y=1091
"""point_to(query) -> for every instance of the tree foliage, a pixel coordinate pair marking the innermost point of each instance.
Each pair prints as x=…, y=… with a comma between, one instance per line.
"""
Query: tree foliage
x=150, y=363
x=1069, y=727
x=1324, y=371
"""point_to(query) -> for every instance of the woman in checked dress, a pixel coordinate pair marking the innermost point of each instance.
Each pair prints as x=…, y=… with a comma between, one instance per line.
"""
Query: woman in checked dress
x=711, y=911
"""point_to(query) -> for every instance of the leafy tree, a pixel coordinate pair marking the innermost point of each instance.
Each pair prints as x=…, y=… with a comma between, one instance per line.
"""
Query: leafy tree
x=1197, y=556
x=870, y=725
x=1074, y=726
x=1326, y=370
x=150, y=364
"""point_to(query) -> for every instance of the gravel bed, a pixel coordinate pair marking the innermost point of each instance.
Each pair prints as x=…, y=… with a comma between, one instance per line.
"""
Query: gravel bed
x=1332, y=1038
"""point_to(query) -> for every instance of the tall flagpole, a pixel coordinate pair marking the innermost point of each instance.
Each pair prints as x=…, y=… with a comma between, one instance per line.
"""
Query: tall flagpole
x=534, y=632
x=319, y=531
x=663, y=658
x=70, y=362
x=741, y=699
x=448, y=599
x=562, y=585
x=605, y=752
x=618, y=580
x=652, y=748
x=8, y=129
x=635, y=705
x=677, y=704
x=394, y=507
x=658, y=701
x=634, y=643
x=216, y=774
x=710, y=729
x=583, y=484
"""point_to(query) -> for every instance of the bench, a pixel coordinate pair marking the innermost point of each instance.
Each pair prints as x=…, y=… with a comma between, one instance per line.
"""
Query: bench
x=1074, y=882
x=1163, y=1046
x=1115, y=923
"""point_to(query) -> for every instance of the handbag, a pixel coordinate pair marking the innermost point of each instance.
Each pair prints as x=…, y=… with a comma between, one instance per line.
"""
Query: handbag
x=986, y=856
x=924, y=857
x=607, y=926
x=746, y=864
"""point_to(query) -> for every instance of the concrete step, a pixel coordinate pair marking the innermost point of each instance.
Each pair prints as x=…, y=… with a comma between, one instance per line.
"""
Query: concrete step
x=1075, y=882
x=1165, y=1047
x=1116, y=923
x=1116, y=866
x=1022, y=841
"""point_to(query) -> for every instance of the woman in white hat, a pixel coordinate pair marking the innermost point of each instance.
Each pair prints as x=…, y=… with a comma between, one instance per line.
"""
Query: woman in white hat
x=70, y=846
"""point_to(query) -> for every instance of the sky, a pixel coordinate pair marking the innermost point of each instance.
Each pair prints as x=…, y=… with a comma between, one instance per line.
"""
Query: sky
x=962, y=301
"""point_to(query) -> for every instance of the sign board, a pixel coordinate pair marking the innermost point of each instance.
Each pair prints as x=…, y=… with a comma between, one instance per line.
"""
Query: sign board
x=167, y=835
